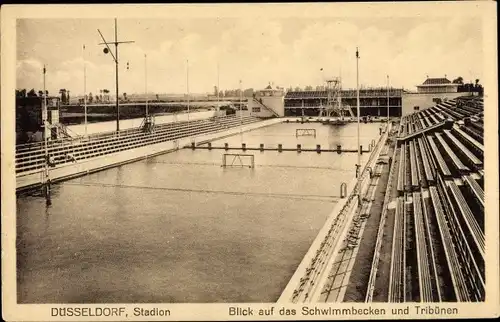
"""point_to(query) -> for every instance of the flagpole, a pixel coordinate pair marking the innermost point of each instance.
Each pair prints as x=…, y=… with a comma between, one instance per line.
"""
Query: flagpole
x=187, y=86
x=218, y=84
x=146, y=82
x=85, y=89
x=358, y=174
x=45, y=135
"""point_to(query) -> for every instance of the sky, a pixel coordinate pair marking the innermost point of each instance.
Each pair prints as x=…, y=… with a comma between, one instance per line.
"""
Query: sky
x=287, y=51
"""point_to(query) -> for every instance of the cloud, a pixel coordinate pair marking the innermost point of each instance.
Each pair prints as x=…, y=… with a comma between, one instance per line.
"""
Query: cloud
x=258, y=51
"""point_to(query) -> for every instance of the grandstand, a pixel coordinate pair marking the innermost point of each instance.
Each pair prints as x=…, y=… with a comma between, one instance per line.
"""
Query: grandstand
x=438, y=231
x=30, y=157
x=373, y=101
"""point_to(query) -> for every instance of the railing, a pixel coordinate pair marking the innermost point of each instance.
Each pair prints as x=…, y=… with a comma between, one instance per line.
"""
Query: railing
x=29, y=161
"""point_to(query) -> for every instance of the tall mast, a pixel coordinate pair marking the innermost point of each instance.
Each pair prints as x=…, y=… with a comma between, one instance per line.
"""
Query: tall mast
x=85, y=89
x=358, y=111
x=146, y=82
x=115, y=58
x=187, y=87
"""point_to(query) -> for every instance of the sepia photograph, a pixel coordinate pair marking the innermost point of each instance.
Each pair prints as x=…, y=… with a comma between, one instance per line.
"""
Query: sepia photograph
x=232, y=153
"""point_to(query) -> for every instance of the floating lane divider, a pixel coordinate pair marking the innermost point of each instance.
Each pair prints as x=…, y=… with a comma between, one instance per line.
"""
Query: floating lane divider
x=280, y=148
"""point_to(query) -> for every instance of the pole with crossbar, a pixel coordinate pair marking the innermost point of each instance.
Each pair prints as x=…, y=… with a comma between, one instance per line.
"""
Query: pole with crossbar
x=115, y=58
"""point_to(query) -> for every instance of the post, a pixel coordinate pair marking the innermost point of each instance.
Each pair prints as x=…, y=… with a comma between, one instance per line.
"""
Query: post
x=146, y=82
x=85, y=89
x=358, y=111
x=116, y=75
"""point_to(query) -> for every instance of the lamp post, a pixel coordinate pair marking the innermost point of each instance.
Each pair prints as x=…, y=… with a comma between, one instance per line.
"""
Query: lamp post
x=115, y=58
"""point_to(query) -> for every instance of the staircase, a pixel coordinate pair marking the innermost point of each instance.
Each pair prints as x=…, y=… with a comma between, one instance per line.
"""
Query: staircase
x=262, y=105
x=61, y=131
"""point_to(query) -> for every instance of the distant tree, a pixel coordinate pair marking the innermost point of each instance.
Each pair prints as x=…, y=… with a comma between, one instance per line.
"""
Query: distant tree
x=97, y=98
x=40, y=93
x=62, y=91
x=90, y=97
x=248, y=92
x=21, y=93
x=31, y=93
x=298, y=89
x=309, y=88
x=458, y=80
x=221, y=94
x=67, y=97
x=216, y=90
x=157, y=97
x=124, y=96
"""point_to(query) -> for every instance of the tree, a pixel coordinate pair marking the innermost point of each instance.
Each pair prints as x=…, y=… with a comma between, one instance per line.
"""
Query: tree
x=298, y=89
x=157, y=97
x=62, y=91
x=248, y=92
x=21, y=93
x=124, y=96
x=458, y=80
x=309, y=88
x=90, y=97
x=31, y=93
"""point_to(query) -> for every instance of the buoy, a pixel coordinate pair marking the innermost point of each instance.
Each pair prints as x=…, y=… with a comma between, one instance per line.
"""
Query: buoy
x=244, y=146
x=280, y=147
x=299, y=148
x=226, y=146
x=209, y=145
x=339, y=149
x=318, y=148
x=262, y=147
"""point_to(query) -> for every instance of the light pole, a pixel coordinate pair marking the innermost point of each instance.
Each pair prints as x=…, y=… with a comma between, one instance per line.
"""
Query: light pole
x=115, y=58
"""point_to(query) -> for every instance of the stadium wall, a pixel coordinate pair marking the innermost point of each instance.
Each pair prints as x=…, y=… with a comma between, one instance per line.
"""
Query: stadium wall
x=424, y=100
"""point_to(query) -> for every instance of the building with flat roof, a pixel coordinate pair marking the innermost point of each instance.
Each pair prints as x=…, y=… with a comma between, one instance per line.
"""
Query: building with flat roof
x=437, y=85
